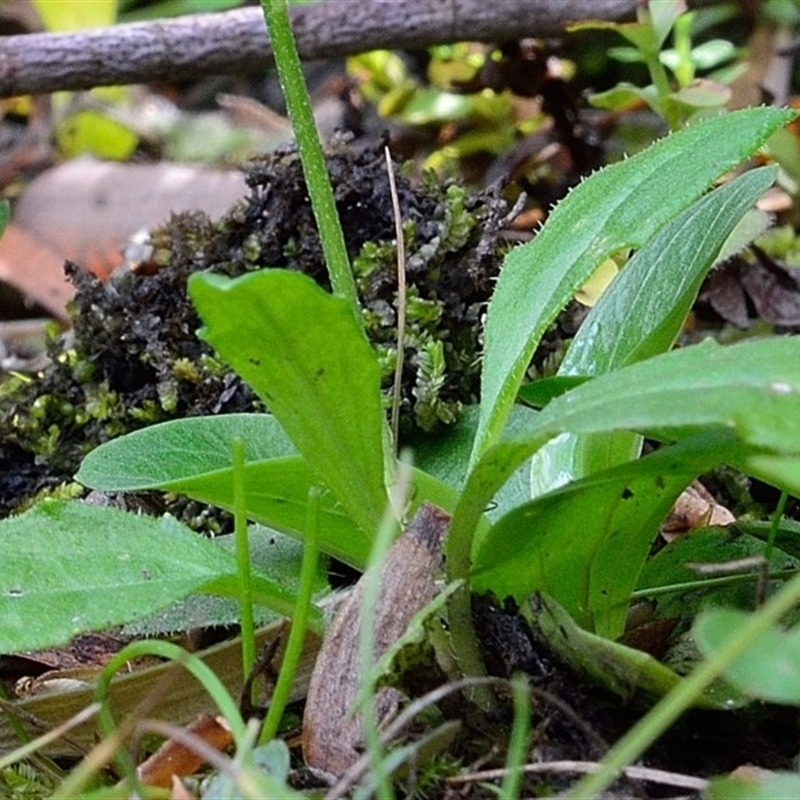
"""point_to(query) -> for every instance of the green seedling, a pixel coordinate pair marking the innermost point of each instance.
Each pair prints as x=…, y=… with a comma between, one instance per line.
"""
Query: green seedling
x=327, y=427
x=306, y=355
x=676, y=93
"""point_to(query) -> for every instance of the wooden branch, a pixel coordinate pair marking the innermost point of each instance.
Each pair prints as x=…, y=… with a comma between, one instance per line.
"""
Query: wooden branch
x=237, y=42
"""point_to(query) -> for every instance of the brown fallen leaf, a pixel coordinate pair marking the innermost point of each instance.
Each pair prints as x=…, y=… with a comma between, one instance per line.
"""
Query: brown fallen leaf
x=85, y=210
x=333, y=738
x=174, y=759
x=767, y=289
x=695, y=508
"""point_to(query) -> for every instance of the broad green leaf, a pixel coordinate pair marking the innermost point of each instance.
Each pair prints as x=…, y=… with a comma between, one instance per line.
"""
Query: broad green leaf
x=165, y=455
x=641, y=314
x=276, y=493
x=643, y=311
x=273, y=556
x=193, y=457
x=619, y=207
x=67, y=568
x=586, y=543
x=759, y=785
x=303, y=352
x=769, y=669
x=751, y=388
x=621, y=669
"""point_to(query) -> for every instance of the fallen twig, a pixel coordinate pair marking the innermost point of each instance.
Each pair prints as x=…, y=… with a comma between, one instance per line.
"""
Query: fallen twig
x=236, y=41
x=659, y=776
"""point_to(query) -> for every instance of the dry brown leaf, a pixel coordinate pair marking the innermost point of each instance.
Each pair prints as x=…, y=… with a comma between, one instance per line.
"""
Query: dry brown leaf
x=85, y=210
x=175, y=759
x=695, y=508
x=332, y=736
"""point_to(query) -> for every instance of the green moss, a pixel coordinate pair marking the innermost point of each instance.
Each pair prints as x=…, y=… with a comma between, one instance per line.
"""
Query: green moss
x=133, y=359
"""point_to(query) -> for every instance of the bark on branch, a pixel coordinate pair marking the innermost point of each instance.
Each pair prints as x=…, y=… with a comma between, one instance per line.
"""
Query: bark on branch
x=237, y=42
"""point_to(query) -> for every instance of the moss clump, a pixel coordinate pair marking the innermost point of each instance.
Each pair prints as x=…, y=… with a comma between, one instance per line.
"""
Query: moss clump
x=133, y=359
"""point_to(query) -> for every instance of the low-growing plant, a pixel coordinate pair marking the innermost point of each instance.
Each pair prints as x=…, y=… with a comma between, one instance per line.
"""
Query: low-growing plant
x=305, y=353
x=575, y=527
x=676, y=93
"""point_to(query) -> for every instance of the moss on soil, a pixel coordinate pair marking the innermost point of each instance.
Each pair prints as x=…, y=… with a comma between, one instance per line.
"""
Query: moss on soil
x=132, y=357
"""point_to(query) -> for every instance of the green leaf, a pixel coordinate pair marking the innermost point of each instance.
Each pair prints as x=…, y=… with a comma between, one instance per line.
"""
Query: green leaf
x=769, y=669
x=668, y=568
x=641, y=314
x=662, y=16
x=164, y=456
x=193, y=457
x=619, y=207
x=751, y=388
x=303, y=352
x=622, y=96
x=761, y=785
x=621, y=669
x=67, y=568
x=274, y=557
x=569, y=544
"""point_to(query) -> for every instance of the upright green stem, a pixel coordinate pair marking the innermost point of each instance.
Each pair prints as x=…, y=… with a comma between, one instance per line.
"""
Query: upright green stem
x=297, y=634
x=312, y=158
x=458, y=551
x=243, y=559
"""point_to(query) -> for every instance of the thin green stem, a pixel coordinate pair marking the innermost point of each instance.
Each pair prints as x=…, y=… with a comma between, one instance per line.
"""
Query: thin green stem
x=707, y=584
x=294, y=646
x=642, y=735
x=243, y=559
x=777, y=516
x=309, y=147
x=518, y=744
x=458, y=552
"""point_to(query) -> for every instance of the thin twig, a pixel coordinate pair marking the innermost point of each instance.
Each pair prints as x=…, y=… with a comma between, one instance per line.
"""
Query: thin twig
x=235, y=42
x=401, y=299
x=659, y=776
